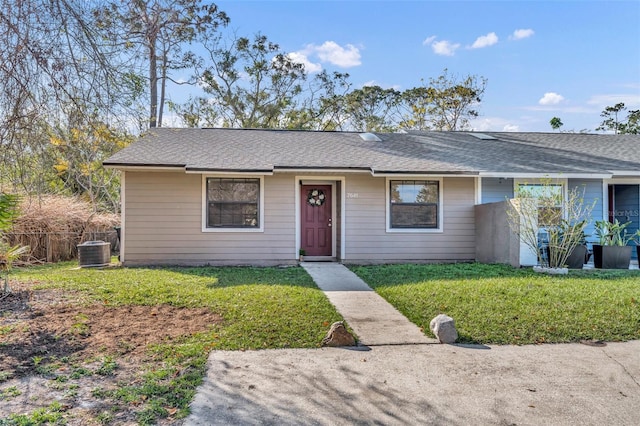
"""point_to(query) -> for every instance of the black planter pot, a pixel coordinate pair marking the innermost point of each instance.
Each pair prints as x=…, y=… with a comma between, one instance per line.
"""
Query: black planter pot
x=577, y=258
x=597, y=256
x=611, y=257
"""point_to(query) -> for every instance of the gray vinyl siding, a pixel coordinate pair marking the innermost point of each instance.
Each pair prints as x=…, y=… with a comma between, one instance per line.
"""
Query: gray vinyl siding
x=592, y=195
x=163, y=223
x=368, y=241
x=495, y=190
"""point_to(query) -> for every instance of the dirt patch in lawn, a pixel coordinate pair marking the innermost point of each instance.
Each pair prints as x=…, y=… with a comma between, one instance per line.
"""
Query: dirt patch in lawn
x=55, y=347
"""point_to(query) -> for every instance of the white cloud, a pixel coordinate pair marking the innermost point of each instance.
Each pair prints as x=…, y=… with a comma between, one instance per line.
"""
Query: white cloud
x=630, y=101
x=328, y=52
x=332, y=52
x=493, y=124
x=551, y=98
x=522, y=33
x=441, y=47
x=445, y=48
x=485, y=41
x=482, y=125
x=301, y=58
x=427, y=41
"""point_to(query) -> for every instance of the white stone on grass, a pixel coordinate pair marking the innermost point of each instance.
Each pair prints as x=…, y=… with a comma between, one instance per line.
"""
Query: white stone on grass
x=550, y=271
x=444, y=328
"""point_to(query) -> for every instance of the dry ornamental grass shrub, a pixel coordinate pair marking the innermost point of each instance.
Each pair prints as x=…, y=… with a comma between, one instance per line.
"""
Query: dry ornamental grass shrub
x=53, y=226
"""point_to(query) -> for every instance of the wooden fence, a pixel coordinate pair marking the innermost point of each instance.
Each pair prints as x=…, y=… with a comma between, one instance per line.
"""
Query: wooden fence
x=59, y=246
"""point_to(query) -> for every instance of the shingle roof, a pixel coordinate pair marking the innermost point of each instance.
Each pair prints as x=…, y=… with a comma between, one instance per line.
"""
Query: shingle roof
x=423, y=152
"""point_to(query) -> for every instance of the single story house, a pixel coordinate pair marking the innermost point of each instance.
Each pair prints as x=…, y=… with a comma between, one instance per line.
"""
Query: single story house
x=244, y=196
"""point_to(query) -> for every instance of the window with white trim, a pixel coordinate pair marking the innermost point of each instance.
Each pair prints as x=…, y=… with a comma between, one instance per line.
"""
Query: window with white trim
x=550, y=198
x=232, y=203
x=414, y=204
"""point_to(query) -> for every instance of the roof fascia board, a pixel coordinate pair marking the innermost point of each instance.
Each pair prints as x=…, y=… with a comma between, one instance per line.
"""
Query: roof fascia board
x=194, y=171
x=547, y=175
x=625, y=173
x=322, y=170
x=434, y=174
x=144, y=168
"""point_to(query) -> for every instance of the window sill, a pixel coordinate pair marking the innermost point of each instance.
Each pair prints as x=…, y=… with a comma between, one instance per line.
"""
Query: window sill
x=231, y=230
x=414, y=230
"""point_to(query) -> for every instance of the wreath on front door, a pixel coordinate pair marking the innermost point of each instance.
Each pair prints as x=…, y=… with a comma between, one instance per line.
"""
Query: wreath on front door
x=316, y=197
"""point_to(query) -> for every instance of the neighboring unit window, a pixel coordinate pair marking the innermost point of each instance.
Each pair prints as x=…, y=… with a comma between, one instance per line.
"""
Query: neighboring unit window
x=414, y=203
x=233, y=203
x=549, y=196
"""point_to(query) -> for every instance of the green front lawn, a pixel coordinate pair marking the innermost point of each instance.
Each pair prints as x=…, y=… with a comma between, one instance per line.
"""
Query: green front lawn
x=281, y=307
x=502, y=305
x=259, y=308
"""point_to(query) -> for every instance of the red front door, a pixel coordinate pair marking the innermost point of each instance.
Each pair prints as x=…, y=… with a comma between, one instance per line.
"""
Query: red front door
x=316, y=220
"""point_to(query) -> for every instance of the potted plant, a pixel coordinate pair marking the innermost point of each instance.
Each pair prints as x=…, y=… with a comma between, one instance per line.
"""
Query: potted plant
x=567, y=245
x=579, y=254
x=301, y=254
x=612, y=251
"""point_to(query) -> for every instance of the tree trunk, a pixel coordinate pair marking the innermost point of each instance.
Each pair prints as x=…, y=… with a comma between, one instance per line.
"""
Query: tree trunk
x=163, y=86
x=153, y=85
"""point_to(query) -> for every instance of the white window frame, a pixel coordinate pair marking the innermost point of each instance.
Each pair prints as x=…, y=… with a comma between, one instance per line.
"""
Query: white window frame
x=527, y=255
x=260, y=228
x=564, y=183
x=387, y=189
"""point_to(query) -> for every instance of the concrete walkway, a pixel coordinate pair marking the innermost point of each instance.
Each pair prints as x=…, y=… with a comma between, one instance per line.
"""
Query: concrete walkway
x=372, y=318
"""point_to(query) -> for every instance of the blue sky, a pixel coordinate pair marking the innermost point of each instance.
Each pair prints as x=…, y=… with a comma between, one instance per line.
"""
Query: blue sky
x=542, y=59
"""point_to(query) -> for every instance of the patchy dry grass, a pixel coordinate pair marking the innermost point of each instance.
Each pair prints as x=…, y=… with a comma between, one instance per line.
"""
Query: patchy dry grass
x=118, y=345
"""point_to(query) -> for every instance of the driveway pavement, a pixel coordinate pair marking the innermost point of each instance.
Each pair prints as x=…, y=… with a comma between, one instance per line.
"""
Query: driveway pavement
x=404, y=378
x=570, y=384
